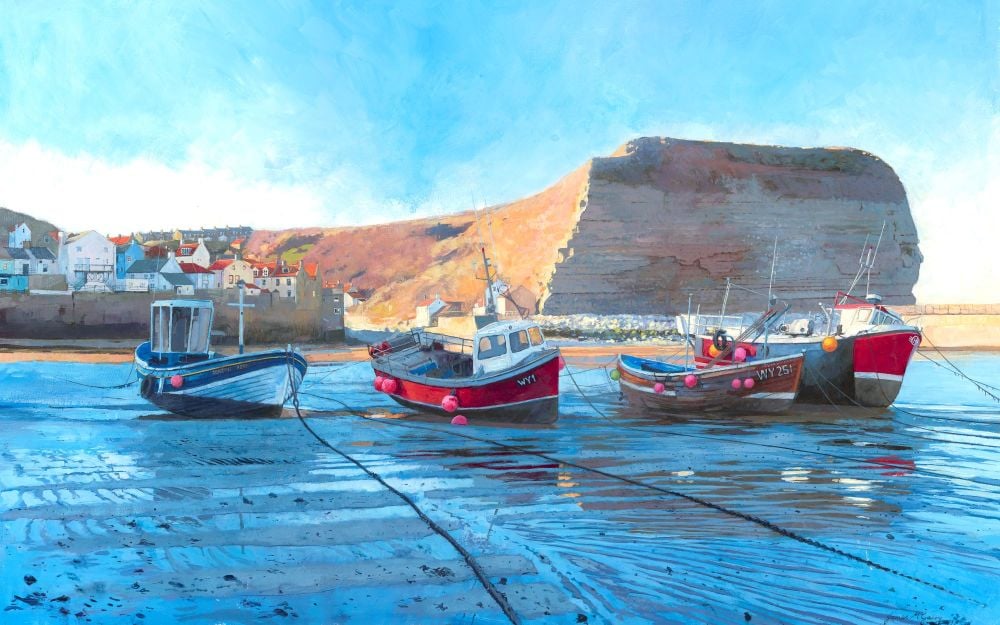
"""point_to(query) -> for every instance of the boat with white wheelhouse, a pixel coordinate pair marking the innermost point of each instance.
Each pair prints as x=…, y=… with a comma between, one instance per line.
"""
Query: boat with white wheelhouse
x=181, y=374
x=506, y=372
x=856, y=353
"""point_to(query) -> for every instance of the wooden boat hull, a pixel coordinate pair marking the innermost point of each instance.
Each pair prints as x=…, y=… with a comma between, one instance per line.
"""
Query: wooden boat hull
x=527, y=393
x=865, y=369
x=246, y=385
x=775, y=386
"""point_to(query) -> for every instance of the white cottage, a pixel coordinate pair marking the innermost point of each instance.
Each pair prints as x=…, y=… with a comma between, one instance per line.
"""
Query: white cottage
x=195, y=253
x=87, y=259
x=18, y=235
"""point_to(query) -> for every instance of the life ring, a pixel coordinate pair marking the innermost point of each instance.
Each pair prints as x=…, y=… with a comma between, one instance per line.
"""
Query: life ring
x=148, y=386
x=721, y=340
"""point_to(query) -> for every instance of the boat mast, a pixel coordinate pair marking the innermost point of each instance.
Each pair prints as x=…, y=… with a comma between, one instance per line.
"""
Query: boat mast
x=491, y=302
x=688, y=333
x=871, y=262
x=774, y=257
x=241, y=284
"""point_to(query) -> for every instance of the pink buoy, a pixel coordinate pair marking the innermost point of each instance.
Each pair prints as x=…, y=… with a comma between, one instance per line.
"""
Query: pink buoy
x=176, y=381
x=378, y=382
x=740, y=354
x=389, y=385
x=658, y=387
x=736, y=383
x=450, y=403
x=459, y=420
x=690, y=380
x=562, y=363
x=748, y=383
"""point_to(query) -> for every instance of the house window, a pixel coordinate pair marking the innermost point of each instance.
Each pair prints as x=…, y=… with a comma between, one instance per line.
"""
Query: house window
x=336, y=311
x=288, y=281
x=79, y=248
x=231, y=278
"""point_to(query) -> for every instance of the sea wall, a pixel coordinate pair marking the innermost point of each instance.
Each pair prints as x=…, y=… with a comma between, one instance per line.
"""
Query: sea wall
x=956, y=326
x=666, y=218
x=126, y=315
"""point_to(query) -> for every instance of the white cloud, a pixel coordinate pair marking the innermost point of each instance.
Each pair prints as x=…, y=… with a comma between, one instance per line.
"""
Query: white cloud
x=84, y=192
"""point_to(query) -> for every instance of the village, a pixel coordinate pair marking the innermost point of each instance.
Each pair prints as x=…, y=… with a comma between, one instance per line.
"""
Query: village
x=208, y=263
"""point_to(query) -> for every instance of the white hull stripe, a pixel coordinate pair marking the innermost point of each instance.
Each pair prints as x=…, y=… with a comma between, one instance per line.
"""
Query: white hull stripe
x=889, y=377
x=489, y=407
x=646, y=389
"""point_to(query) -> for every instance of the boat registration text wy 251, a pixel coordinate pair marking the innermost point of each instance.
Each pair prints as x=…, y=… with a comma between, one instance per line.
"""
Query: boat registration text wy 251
x=774, y=372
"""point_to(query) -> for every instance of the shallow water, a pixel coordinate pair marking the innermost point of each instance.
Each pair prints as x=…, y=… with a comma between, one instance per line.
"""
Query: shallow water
x=117, y=514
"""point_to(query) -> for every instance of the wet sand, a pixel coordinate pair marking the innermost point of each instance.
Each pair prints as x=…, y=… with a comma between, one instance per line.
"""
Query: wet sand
x=111, y=512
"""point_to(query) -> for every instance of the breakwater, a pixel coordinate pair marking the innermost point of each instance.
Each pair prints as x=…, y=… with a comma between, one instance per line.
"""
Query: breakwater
x=126, y=315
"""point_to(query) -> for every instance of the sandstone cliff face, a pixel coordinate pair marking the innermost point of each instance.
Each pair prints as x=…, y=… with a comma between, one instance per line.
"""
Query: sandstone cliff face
x=665, y=218
x=638, y=231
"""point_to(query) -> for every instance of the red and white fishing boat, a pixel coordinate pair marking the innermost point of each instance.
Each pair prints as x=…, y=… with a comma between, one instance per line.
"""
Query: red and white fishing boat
x=506, y=372
x=860, y=356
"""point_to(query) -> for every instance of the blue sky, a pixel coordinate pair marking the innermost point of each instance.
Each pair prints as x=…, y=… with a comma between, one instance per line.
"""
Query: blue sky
x=296, y=114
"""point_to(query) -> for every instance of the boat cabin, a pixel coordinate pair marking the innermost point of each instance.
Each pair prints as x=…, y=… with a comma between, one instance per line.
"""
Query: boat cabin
x=495, y=347
x=853, y=314
x=180, y=326
x=503, y=344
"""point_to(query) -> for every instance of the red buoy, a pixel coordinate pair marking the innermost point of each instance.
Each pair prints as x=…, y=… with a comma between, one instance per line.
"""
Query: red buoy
x=176, y=381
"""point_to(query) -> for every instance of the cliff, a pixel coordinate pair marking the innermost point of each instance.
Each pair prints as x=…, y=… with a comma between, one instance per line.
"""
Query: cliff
x=665, y=218
x=637, y=231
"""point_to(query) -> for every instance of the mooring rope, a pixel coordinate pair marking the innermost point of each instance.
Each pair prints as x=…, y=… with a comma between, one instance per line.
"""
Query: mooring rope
x=123, y=385
x=477, y=570
x=982, y=386
x=769, y=525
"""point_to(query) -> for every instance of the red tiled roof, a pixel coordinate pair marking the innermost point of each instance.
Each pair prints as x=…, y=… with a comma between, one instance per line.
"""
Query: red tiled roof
x=426, y=302
x=311, y=269
x=120, y=240
x=222, y=263
x=188, y=246
x=193, y=268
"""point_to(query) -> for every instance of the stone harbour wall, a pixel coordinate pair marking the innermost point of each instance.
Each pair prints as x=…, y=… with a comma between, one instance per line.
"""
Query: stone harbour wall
x=126, y=315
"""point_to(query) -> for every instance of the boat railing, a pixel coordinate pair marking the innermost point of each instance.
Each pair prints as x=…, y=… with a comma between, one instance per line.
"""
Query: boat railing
x=707, y=324
x=442, y=341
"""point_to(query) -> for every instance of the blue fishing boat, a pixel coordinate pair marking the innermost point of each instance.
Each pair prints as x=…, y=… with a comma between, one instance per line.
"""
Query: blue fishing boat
x=181, y=374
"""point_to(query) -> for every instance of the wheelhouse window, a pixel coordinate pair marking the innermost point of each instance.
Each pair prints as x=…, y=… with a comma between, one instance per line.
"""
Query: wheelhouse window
x=180, y=326
x=160, y=329
x=536, y=335
x=492, y=346
x=201, y=327
x=519, y=341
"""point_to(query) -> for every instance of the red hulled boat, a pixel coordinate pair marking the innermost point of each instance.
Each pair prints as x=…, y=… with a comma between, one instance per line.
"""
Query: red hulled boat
x=859, y=357
x=506, y=372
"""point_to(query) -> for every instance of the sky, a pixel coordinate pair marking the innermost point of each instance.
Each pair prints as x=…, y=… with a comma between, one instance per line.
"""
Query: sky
x=121, y=116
